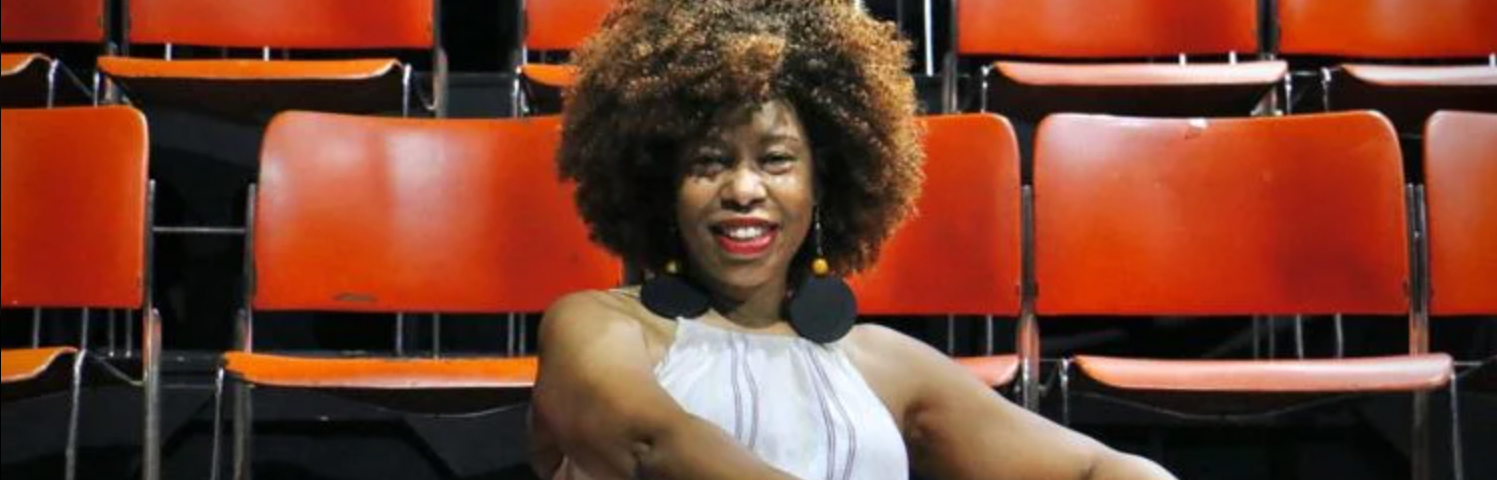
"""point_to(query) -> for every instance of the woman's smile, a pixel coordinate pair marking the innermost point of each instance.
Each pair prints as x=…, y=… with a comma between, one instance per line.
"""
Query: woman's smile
x=745, y=238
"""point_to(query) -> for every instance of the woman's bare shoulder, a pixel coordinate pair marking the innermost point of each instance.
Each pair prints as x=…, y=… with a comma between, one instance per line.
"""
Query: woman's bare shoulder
x=613, y=313
x=891, y=362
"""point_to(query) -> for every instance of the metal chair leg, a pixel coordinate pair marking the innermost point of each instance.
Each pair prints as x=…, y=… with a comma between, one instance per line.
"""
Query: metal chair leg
x=218, y=411
x=243, y=423
x=1340, y=338
x=110, y=337
x=52, y=83
x=1029, y=362
x=1299, y=337
x=514, y=95
x=405, y=91
x=70, y=453
x=151, y=442
x=1458, y=457
x=1065, y=392
x=1419, y=438
x=36, y=328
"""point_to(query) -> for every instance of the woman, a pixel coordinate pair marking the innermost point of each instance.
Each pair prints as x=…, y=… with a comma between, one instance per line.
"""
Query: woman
x=748, y=153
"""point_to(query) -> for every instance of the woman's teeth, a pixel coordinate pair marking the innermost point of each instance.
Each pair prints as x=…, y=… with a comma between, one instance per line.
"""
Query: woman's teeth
x=744, y=233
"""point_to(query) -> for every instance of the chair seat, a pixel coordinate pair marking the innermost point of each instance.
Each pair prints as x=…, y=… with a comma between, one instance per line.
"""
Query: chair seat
x=252, y=70
x=993, y=371
x=1408, y=95
x=15, y=63
x=1423, y=76
x=556, y=76
x=256, y=90
x=25, y=364
x=382, y=373
x=1374, y=374
x=1143, y=74
x=1028, y=92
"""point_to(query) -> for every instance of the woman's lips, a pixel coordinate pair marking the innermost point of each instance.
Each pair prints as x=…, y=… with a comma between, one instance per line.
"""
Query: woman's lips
x=748, y=237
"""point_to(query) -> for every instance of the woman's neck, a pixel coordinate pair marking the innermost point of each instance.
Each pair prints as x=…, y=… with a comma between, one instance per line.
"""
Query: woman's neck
x=754, y=308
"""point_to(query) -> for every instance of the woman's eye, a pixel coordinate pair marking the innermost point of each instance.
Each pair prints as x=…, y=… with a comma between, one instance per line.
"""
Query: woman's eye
x=708, y=165
x=778, y=162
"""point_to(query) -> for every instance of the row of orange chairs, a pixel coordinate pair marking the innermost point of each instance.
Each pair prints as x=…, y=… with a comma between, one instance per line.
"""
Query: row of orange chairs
x=1039, y=43
x=247, y=86
x=1127, y=216
x=1078, y=55
x=256, y=88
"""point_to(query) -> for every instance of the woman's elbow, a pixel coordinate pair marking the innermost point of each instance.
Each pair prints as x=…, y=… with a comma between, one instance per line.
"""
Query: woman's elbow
x=1116, y=465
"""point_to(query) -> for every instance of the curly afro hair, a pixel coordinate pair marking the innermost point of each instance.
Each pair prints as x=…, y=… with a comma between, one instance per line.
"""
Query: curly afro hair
x=659, y=70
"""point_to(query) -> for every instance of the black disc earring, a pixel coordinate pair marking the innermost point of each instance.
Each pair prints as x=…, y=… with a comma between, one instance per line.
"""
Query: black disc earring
x=669, y=295
x=823, y=308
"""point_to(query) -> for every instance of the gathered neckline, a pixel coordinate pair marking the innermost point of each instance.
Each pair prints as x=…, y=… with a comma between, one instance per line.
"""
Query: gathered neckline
x=749, y=334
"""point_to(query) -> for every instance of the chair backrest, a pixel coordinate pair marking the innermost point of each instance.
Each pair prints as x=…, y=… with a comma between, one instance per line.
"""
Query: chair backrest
x=1105, y=29
x=72, y=217
x=966, y=237
x=1287, y=215
x=433, y=216
x=1460, y=165
x=307, y=24
x=1388, y=28
x=563, y=24
x=43, y=21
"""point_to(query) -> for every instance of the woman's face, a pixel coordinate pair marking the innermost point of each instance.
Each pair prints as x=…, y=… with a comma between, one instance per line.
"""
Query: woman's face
x=746, y=198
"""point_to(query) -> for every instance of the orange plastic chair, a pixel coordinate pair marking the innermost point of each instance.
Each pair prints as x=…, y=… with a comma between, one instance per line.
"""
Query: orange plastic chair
x=1460, y=164
x=965, y=238
x=263, y=86
x=552, y=26
x=1042, y=41
x=1454, y=31
x=28, y=79
x=370, y=214
x=73, y=223
x=1233, y=217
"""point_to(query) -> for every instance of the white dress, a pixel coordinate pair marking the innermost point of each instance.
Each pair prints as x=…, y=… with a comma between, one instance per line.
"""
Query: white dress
x=799, y=406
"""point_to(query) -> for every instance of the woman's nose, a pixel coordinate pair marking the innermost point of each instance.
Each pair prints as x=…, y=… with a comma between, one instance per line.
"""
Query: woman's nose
x=745, y=188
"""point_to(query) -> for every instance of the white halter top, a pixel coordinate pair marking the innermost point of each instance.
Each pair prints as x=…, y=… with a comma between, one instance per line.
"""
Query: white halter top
x=799, y=406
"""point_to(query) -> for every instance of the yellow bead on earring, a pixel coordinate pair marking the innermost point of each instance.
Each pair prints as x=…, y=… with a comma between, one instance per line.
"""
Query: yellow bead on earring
x=672, y=267
x=820, y=267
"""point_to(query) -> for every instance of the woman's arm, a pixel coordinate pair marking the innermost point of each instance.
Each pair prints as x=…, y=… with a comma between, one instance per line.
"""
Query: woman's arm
x=957, y=428
x=597, y=397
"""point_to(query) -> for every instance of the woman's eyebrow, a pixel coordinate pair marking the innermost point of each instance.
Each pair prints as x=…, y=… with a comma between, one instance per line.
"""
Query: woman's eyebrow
x=708, y=143
x=781, y=137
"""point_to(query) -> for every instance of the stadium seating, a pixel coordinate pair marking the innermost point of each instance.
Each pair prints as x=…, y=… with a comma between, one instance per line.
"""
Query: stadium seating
x=74, y=221
x=258, y=88
x=1172, y=230
x=966, y=238
x=1406, y=58
x=368, y=214
x=29, y=79
x=1051, y=54
x=1193, y=217
x=552, y=26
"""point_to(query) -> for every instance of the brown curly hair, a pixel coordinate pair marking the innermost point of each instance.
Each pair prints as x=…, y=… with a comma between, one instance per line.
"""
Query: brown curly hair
x=659, y=70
